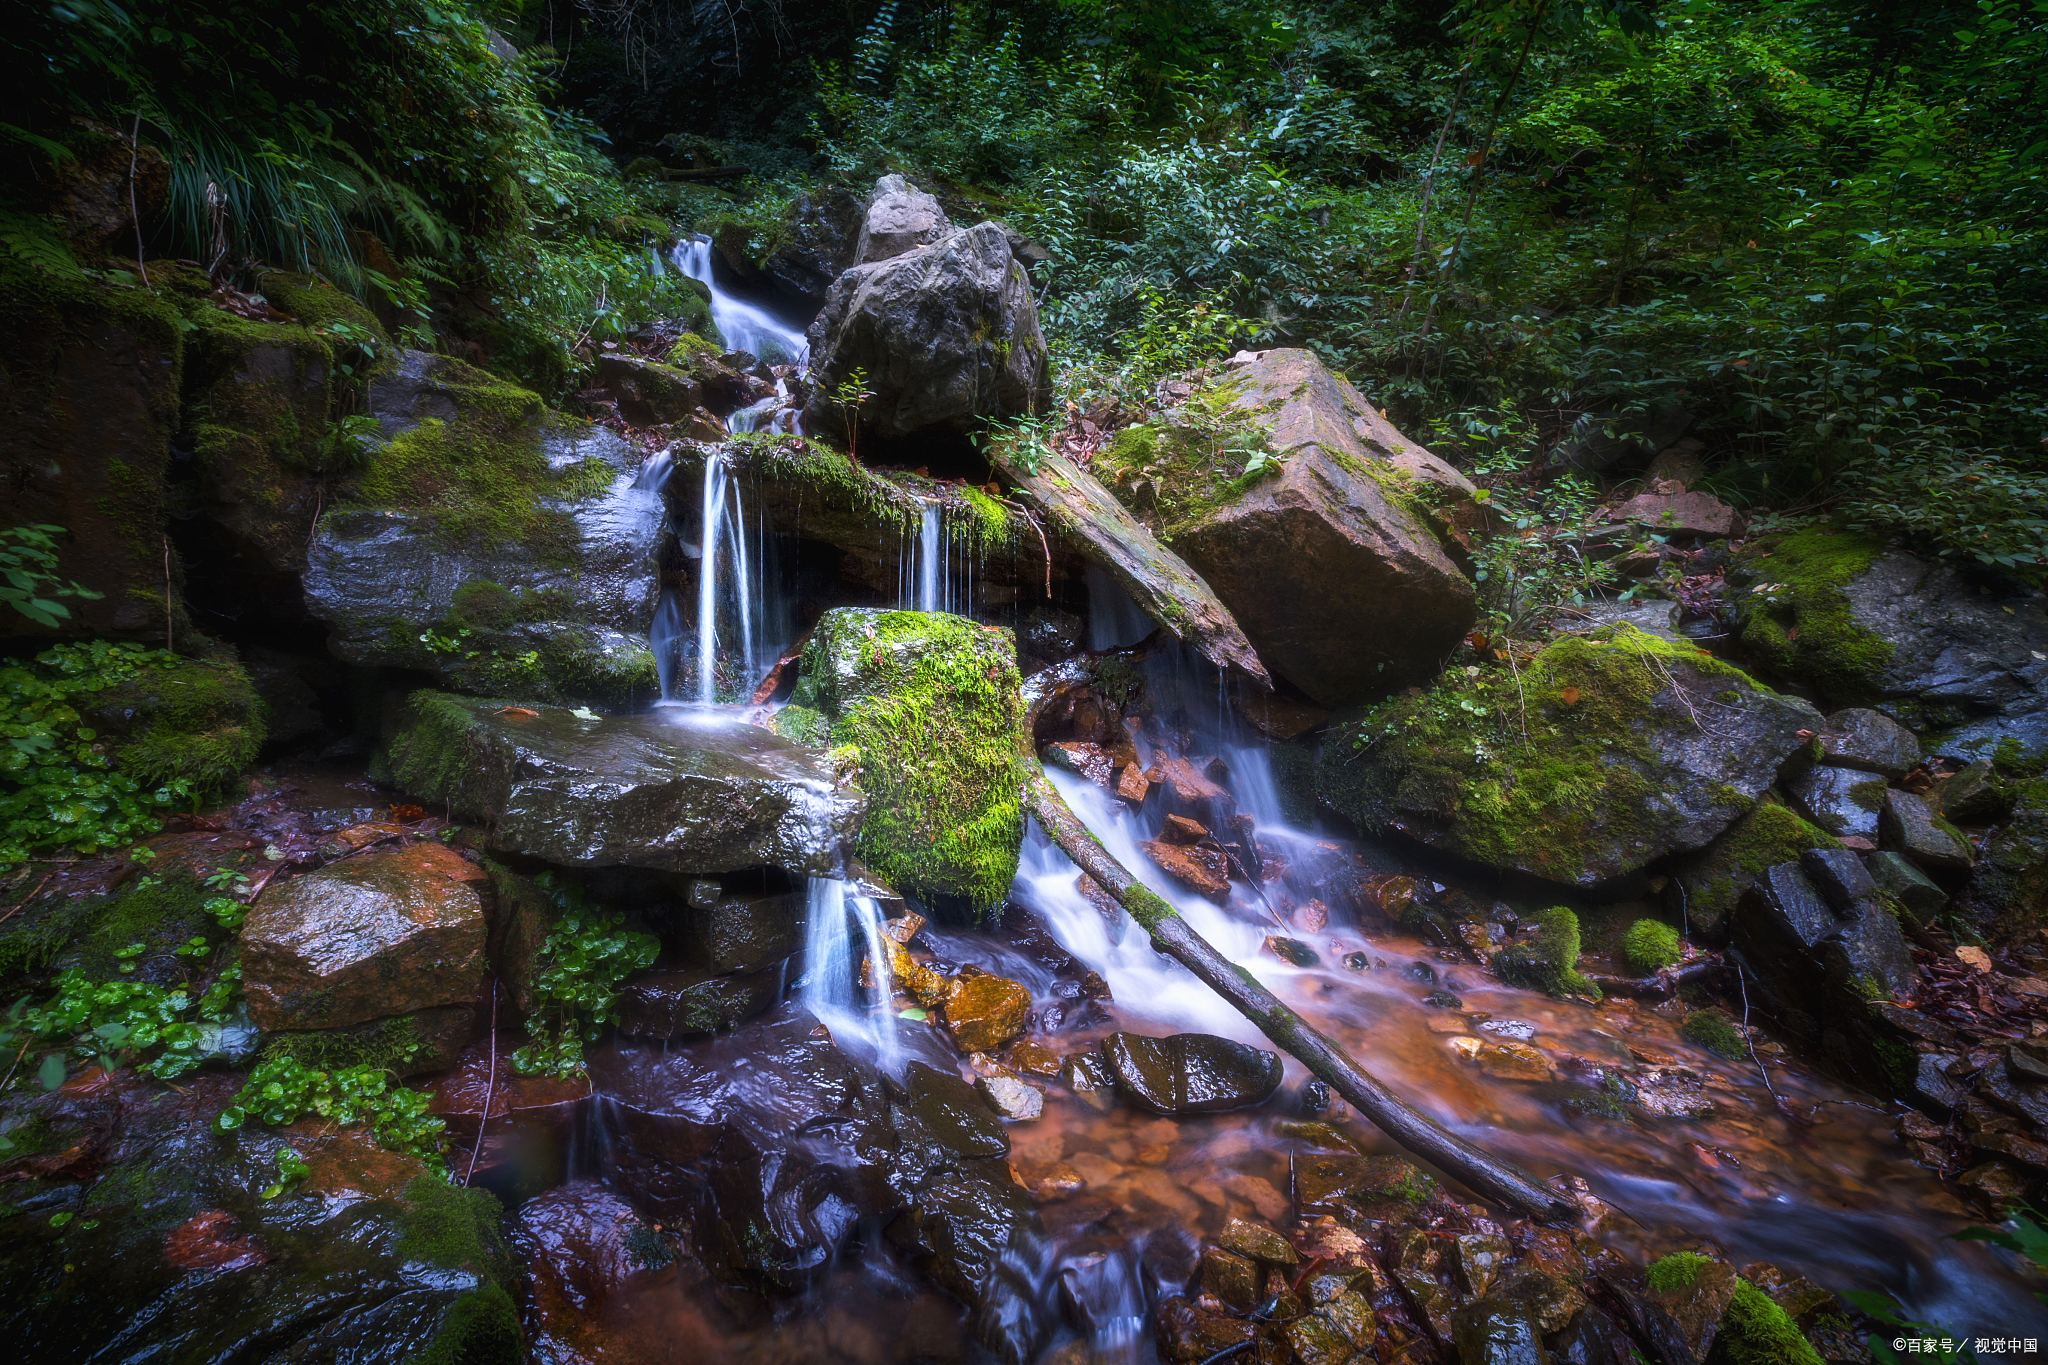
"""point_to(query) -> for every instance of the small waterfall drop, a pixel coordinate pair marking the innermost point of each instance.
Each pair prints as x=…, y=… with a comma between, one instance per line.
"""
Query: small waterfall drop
x=744, y=326
x=930, y=558
x=829, y=990
x=925, y=580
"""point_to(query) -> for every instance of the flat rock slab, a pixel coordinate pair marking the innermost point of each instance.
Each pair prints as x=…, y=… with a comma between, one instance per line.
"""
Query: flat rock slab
x=1088, y=516
x=380, y=934
x=1190, y=1073
x=675, y=789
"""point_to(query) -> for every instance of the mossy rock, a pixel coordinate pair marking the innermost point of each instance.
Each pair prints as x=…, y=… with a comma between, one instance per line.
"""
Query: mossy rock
x=1793, y=615
x=1547, y=960
x=2007, y=896
x=321, y=308
x=930, y=707
x=1606, y=751
x=201, y=722
x=1708, y=886
x=1650, y=945
x=402, y=1044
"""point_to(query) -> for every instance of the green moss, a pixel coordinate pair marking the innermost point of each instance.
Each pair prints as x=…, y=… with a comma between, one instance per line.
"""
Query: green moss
x=1675, y=1272
x=803, y=725
x=201, y=722
x=1548, y=960
x=1767, y=836
x=318, y=306
x=1715, y=1032
x=1900, y=1062
x=481, y=602
x=479, y=1328
x=931, y=705
x=1649, y=945
x=483, y=477
x=1756, y=1331
x=452, y=1227
x=1547, y=770
x=692, y=354
x=394, y=1044
x=1793, y=616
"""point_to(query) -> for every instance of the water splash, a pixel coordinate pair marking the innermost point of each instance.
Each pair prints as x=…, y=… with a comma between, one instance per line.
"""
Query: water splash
x=829, y=990
x=744, y=326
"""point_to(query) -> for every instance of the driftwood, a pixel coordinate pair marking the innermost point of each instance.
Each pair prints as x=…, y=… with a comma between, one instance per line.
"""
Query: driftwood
x=1659, y=985
x=1416, y=1132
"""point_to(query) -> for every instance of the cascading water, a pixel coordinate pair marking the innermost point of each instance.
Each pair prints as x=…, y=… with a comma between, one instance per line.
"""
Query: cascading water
x=925, y=579
x=829, y=989
x=744, y=326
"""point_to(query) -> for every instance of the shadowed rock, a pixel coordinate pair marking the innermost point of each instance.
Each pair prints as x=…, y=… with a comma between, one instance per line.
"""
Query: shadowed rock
x=1191, y=1073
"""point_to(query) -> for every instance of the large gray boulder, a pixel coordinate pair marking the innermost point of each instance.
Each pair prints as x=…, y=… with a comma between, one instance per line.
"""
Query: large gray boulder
x=672, y=790
x=898, y=219
x=491, y=543
x=942, y=334
x=1341, y=562
x=818, y=241
x=1604, y=753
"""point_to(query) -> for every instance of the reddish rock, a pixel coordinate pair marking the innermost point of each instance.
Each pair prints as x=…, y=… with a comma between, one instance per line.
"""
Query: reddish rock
x=1181, y=830
x=985, y=1012
x=1092, y=892
x=1205, y=871
x=1091, y=761
x=578, y=1246
x=376, y=935
x=1188, y=1334
x=1132, y=785
x=1679, y=513
x=526, y=1103
x=208, y=1241
x=1193, y=793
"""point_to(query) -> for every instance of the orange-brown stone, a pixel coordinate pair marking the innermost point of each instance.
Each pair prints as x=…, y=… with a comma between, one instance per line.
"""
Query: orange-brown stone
x=1203, y=870
x=985, y=1012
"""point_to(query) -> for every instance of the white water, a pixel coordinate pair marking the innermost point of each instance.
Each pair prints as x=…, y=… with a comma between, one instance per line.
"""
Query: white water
x=925, y=580
x=743, y=326
x=829, y=989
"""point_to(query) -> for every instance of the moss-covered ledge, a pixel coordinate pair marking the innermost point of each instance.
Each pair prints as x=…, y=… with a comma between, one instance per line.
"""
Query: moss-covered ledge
x=1793, y=616
x=1600, y=754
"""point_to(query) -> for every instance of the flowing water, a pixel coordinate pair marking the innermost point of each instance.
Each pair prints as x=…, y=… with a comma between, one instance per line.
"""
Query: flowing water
x=744, y=326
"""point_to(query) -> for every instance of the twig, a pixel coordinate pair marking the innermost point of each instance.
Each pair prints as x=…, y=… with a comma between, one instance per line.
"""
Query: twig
x=1521, y=701
x=17, y=1063
x=169, y=646
x=1043, y=544
x=12, y=910
x=134, y=150
x=1750, y=1038
x=490, y=1086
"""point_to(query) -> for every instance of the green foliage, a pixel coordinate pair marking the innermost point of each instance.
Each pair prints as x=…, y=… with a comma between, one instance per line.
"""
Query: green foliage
x=1547, y=961
x=1716, y=1033
x=282, y=1090
x=1756, y=1331
x=1649, y=945
x=1541, y=563
x=28, y=579
x=576, y=978
x=59, y=785
x=161, y=1032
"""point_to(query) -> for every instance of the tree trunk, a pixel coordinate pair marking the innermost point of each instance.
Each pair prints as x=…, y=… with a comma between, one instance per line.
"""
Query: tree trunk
x=1419, y=1134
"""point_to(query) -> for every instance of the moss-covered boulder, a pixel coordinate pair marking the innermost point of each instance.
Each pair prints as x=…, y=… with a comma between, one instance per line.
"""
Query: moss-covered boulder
x=1546, y=958
x=1604, y=752
x=673, y=790
x=89, y=378
x=492, y=543
x=371, y=1255
x=1706, y=887
x=1865, y=625
x=930, y=708
x=200, y=722
x=2007, y=896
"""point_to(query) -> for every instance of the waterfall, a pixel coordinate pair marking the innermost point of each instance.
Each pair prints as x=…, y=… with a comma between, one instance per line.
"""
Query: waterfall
x=829, y=990
x=930, y=549
x=924, y=568
x=743, y=326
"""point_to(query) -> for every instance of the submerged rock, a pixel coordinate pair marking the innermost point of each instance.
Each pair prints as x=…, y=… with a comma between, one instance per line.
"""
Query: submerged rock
x=984, y=1013
x=943, y=333
x=678, y=791
x=491, y=543
x=676, y=1004
x=931, y=706
x=1190, y=1073
x=374, y=935
x=1635, y=749
x=1333, y=563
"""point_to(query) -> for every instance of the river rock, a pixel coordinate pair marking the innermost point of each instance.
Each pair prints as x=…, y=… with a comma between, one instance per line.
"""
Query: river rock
x=1908, y=885
x=1858, y=737
x=1974, y=796
x=1230, y=1278
x=931, y=705
x=1866, y=625
x=578, y=1245
x=1012, y=1097
x=1636, y=749
x=739, y=934
x=1843, y=801
x=676, y=791
x=375, y=935
x=1498, y=1331
x=675, y=1004
x=984, y=1012
x=898, y=219
x=1678, y=514
x=493, y=544
x=648, y=392
x=1190, y=1073
x=169, y=1241
x=818, y=240
x=1205, y=870
x=1910, y=826
x=945, y=334
x=1335, y=564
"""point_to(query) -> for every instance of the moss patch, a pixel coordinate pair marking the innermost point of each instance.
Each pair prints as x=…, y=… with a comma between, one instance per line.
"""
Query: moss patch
x=201, y=721
x=452, y=1228
x=1551, y=770
x=930, y=704
x=1756, y=1331
x=1793, y=616
x=1715, y=1032
x=1675, y=1272
x=480, y=1328
x=1184, y=468
x=1547, y=960
x=1649, y=945
x=1767, y=836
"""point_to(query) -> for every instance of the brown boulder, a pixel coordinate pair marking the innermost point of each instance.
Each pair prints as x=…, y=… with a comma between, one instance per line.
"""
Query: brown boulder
x=985, y=1012
x=1678, y=513
x=1203, y=870
x=648, y=392
x=1334, y=565
x=379, y=934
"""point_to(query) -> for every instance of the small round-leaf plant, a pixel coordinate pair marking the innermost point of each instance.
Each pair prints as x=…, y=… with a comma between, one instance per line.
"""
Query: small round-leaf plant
x=576, y=981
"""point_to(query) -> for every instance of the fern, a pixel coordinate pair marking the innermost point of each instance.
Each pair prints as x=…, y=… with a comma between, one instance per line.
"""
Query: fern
x=35, y=241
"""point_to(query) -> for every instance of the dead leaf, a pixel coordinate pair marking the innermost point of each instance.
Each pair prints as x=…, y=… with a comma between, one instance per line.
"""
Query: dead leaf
x=1569, y=696
x=1976, y=957
x=518, y=711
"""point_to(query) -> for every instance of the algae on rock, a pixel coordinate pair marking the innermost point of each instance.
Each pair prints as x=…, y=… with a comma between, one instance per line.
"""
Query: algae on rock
x=1793, y=615
x=931, y=707
x=1709, y=884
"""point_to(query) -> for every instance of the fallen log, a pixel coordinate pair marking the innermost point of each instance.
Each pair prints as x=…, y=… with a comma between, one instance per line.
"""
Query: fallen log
x=1661, y=984
x=1414, y=1131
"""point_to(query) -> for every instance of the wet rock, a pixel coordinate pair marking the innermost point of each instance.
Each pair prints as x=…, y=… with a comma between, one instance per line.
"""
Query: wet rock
x=1090, y=1078
x=1996, y=1180
x=1231, y=1278
x=1202, y=870
x=1012, y=1097
x=1476, y=1259
x=1350, y=1188
x=1974, y=796
x=736, y=934
x=1033, y=1059
x=898, y=219
x=1594, y=1338
x=1316, y=1340
x=1912, y=828
x=1179, y=829
x=372, y=936
x=945, y=333
x=665, y=790
x=2015, y=1092
x=932, y=705
x=678, y=1004
x=1258, y=1242
x=578, y=1246
x=1295, y=953
x=1682, y=747
x=1707, y=885
x=957, y=1119
x=1507, y=1061
x=1498, y=1332
x=1086, y=516
x=1678, y=514
x=648, y=392
x=1689, y=1293
x=1188, y=1335
x=1190, y=1073
x=1871, y=741
x=984, y=1012
x=1843, y=801
x=1190, y=791
x=1083, y=759
x=1344, y=1254
x=1333, y=564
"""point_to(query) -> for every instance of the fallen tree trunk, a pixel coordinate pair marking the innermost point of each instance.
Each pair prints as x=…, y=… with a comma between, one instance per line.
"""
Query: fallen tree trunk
x=1171, y=935
x=1659, y=985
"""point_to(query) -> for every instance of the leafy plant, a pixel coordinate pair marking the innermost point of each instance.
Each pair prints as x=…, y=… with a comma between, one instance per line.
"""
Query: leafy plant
x=283, y=1089
x=576, y=979
x=162, y=1032
x=28, y=579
